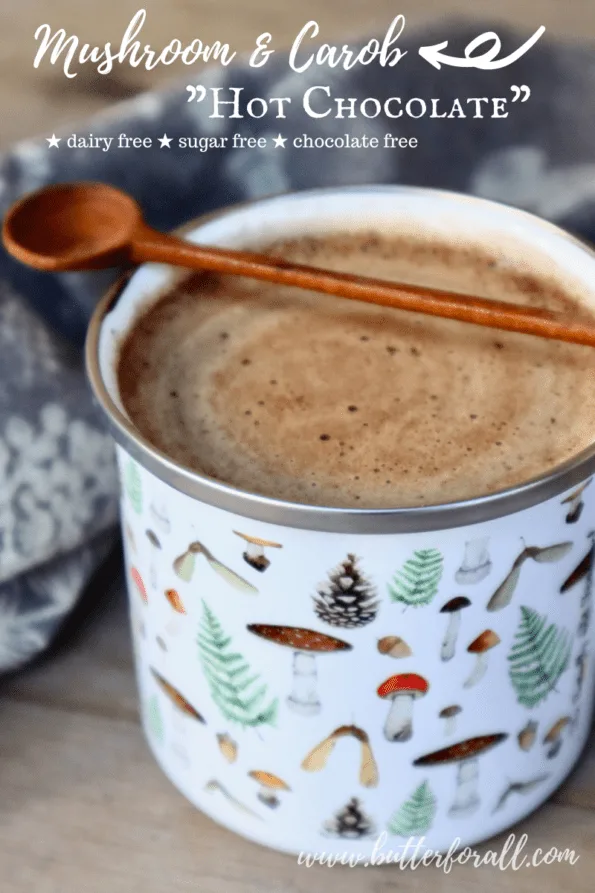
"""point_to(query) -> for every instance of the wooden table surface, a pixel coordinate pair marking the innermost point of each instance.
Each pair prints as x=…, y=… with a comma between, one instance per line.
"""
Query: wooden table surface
x=83, y=806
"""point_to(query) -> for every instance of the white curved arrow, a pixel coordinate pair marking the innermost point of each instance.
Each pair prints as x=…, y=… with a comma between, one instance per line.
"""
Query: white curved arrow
x=487, y=61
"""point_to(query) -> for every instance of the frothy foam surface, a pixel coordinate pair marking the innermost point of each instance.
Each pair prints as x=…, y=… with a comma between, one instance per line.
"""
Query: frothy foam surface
x=313, y=399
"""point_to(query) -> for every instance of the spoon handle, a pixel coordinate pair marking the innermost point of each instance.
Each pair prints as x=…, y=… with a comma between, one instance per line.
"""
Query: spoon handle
x=150, y=245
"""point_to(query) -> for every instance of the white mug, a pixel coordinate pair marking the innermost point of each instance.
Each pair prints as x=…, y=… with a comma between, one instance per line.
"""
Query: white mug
x=312, y=677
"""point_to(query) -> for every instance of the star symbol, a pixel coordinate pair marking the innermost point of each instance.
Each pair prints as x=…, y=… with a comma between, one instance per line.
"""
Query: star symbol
x=54, y=141
x=165, y=141
x=279, y=141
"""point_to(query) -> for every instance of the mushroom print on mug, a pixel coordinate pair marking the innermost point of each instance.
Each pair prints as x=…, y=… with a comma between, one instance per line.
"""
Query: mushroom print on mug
x=178, y=610
x=401, y=690
x=305, y=644
x=318, y=678
x=528, y=735
x=269, y=787
x=554, y=737
x=466, y=756
x=575, y=504
x=479, y=647
x=452, y=609
x=372, y=719
x=476, y=563
x=180, y=711
x=449, y=715
x=254, y=553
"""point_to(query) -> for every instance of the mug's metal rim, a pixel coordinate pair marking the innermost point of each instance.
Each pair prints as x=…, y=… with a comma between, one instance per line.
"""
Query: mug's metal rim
x=415, y=519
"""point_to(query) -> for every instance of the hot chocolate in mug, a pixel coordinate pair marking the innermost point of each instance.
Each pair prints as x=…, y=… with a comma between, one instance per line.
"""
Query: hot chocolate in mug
x=312, y=677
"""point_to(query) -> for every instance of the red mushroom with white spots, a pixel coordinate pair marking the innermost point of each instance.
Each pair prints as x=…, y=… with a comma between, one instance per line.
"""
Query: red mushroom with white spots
x=305, y=644
x=181, y=709
x=401, y=690
x=465, y=754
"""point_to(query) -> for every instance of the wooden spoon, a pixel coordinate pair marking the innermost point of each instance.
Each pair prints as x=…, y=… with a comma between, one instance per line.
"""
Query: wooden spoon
x=88, y=226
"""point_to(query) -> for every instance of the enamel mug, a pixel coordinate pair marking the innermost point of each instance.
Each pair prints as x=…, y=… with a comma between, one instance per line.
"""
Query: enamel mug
x=320, y=679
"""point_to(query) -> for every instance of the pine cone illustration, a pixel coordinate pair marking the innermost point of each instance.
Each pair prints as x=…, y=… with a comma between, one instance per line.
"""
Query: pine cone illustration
x=347, y=599
x=350, y=822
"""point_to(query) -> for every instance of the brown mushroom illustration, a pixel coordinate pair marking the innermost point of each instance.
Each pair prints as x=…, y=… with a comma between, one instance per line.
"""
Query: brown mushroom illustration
x=394, y=646
x=466, y=754
x=553, y=738
x=254, y=553
x=177, y=699
x=480, y=646
x=401, y=690
x=449, y=715
x=581, y=571
x=317, y=758
x=175, y=601
x=173, y=598
x=305, y=644
x=575, y=503
x=179, y=708
x=269, y=786
x=476, y=563
x=453, y=610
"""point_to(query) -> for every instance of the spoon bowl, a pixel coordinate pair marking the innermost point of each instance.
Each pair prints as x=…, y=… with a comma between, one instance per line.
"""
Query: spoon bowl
x=72, y=226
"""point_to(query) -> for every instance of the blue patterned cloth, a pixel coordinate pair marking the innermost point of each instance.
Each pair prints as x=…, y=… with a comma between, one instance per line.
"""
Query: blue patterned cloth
x=58, y=502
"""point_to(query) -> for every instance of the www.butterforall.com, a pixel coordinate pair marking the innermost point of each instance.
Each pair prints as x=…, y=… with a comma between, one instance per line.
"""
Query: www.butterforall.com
x=512, y=856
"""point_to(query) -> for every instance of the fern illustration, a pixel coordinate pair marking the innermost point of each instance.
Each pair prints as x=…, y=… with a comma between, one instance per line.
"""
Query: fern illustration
x=133, y=486
x=417, y=582
x=234, y=687
x=415, y=816
x=538, y=657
